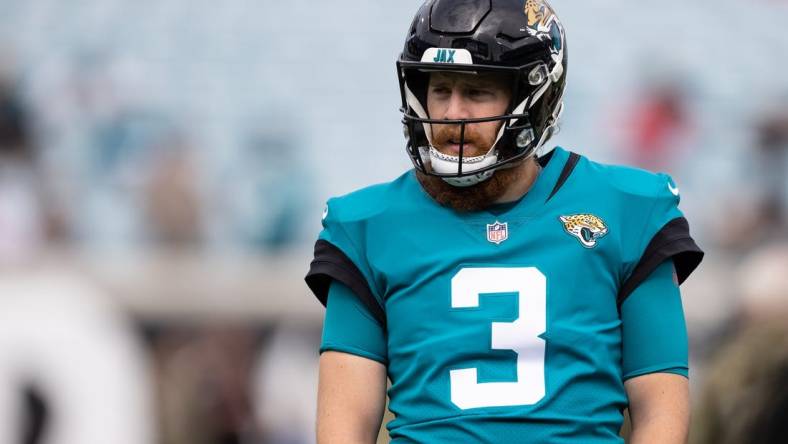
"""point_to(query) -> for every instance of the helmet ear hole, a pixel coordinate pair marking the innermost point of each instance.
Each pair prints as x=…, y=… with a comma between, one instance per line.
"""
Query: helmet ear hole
x=525, y=138
x=538, y=75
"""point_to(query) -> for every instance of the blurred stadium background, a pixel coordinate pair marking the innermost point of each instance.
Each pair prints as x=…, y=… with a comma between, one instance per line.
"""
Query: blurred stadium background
x=164, y=163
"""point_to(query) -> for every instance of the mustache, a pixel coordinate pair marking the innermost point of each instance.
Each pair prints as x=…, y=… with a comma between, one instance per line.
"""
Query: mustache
x=444, y=134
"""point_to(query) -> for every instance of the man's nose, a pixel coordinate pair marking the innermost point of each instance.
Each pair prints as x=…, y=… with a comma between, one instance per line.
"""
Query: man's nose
x=457, y=107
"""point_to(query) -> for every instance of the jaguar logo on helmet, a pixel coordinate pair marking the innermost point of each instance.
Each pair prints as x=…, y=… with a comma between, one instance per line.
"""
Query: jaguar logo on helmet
x=540, y=15
x=543, y=23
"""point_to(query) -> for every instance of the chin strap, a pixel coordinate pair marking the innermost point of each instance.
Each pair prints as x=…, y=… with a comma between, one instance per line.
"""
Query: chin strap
x=467, y=181
x=446, y=164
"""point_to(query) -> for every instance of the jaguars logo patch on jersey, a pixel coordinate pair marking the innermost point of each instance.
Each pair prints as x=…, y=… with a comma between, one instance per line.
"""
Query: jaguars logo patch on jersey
x=587, y=228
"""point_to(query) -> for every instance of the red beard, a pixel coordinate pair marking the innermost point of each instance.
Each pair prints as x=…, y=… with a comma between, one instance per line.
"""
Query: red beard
x=475, y=197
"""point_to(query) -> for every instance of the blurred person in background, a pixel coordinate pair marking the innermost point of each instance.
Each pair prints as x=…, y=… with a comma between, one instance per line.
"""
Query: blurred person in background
x=111, y=156
x=579, y=263
x=204, y=378
x=745, y=396
x=658, y=125
x=71, y=370
x=285, y=382
x=762, y=208
x=258, y=201
x=63, y=343
x=771, y=153
x=22, y=222
x=173, y=200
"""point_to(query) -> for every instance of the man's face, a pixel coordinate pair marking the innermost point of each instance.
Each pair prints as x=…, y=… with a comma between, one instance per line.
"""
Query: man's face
x=454, y=96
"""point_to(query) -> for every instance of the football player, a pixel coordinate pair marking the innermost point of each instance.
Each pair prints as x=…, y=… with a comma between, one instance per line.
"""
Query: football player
x=508, y=296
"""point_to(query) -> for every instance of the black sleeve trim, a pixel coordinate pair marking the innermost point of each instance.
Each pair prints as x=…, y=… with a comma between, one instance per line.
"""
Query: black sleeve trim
x=673, y=241
x=330, y=263
x=569, y=166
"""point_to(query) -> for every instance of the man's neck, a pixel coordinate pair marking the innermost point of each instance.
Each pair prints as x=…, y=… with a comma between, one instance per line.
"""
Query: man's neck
x=529, y=172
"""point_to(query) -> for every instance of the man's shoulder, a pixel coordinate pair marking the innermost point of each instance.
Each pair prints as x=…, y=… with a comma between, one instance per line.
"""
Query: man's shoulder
x=371, y=200
x=629, y=181
x=633, y=200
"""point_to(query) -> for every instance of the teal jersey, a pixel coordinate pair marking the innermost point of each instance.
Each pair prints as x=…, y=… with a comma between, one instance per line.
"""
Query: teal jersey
x=504, y=325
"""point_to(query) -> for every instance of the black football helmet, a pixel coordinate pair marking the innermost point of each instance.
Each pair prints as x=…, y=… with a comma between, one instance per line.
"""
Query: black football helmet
x=522, y=39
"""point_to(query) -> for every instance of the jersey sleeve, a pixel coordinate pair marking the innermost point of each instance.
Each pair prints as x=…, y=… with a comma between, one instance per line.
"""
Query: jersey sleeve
x=338, y=257
x=654, y=333
x=665, y=235
x=350, y=328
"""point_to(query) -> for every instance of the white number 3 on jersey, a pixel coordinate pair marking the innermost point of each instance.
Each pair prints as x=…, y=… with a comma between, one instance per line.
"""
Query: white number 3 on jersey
x=521, y=336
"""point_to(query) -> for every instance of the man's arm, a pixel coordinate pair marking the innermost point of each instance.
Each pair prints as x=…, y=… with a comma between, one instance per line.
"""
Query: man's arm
x=659, y=408
x=351, y=397
x=654, y=364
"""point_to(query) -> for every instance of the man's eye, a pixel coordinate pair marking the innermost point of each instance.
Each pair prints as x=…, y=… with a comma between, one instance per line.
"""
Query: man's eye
x=440, y=90
x=479, y=92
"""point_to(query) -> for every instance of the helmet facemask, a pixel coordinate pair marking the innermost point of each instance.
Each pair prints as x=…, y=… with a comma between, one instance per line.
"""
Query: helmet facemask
x=516, y=138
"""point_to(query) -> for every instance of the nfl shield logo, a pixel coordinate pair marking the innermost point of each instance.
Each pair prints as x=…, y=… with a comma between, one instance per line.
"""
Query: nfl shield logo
x=497, y=232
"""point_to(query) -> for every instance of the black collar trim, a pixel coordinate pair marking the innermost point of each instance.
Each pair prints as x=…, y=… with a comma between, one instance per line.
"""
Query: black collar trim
x=570, y=165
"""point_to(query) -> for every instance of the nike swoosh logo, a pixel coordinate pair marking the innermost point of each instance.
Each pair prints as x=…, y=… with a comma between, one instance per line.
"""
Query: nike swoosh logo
x=674, y=190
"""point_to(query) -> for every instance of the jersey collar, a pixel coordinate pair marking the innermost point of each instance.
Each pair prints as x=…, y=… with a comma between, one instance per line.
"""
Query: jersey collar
x=552, y=165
